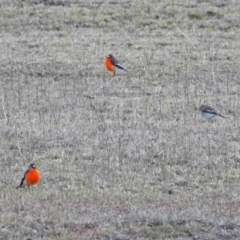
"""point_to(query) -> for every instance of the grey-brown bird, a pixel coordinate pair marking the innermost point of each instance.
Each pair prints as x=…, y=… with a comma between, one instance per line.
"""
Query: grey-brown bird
x=208, y=113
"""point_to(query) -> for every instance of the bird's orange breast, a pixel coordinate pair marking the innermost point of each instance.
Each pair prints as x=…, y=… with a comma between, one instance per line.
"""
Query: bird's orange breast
x=33, y=177
x=108, y=63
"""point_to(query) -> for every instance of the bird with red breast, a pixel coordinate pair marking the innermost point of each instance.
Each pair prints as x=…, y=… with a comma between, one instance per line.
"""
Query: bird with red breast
x=31, y=177
x=111, y=64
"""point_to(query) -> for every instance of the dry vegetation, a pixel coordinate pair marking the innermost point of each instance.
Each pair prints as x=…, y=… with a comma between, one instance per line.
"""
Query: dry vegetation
x=125, y=156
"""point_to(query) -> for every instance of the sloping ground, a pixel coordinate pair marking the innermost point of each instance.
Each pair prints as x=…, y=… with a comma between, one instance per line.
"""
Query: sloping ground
x=124, y=156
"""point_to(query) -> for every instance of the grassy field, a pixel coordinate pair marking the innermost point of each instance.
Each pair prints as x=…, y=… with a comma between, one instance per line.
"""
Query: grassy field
x=125, y=156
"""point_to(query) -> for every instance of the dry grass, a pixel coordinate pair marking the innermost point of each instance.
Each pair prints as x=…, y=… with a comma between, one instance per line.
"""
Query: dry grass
x=123, y=157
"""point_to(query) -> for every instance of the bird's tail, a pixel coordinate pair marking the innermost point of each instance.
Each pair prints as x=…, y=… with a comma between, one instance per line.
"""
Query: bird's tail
x=21, y=184
x=220, y=115
x=121, y=67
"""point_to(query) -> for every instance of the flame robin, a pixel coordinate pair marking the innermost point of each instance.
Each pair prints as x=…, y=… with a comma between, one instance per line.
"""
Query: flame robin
x=31, y=176
x=111, y=64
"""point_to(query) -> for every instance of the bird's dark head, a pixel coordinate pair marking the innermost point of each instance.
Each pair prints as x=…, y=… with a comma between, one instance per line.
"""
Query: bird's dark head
x=32, y=166
x=110, y=56
x=203, y=107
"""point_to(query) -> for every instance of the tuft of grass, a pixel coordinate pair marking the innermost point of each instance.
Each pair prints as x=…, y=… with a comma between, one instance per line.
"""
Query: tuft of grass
x=151, y=233
x=196, y=15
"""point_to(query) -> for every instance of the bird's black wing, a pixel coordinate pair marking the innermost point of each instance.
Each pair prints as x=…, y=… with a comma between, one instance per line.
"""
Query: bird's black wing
x=116, y=63
x=21, y=184
x=210, y=110
x=22, y=181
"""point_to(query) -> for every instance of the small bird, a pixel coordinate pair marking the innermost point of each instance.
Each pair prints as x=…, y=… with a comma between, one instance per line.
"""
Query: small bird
x=209, y=113
x=31, y=176
x=111, y=64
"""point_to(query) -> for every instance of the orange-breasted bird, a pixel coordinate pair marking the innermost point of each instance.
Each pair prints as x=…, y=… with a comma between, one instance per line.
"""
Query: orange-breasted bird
x=31, y=176
x=111, y=64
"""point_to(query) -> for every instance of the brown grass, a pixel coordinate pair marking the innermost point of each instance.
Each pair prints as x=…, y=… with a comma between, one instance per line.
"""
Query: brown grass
x=125, y=156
